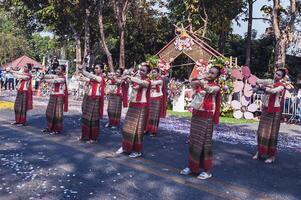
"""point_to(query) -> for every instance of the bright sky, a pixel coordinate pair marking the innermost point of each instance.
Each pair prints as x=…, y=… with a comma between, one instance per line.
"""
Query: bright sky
x=258, y=25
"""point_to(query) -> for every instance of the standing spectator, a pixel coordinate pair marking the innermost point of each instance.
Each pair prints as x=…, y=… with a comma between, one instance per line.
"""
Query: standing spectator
x=298, y=106
x=10, y=81
x=5, y=80
x=37, y=79
x=1, y=81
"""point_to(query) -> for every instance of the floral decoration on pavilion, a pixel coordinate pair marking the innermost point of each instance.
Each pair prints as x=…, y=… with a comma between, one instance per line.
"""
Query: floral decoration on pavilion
x=183, y=41
x=204, y=56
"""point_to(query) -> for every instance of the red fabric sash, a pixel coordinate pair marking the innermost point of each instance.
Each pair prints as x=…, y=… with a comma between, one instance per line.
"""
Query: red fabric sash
x=148, y=95
x=217, y=107
x=22, y=83
x=164, y=100
x=208, y=102
x=94, y=85
x=28, y=92
x=102, y=96
x=140, y=89
x=57, y=87
x=124, y=94
x=139, y=97
x=158, y=86
x=65, y=96
x=139, y=93
x=272, y=99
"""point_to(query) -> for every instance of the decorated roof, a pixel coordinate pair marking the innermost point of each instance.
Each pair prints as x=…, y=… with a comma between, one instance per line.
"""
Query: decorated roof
x=21, y=62
x=186, y=42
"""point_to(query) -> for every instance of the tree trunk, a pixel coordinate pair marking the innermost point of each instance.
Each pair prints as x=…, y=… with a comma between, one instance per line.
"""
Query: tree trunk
x=120, y=9
x=249, y=34
x=63, y=52
x=222, y=41
x=280, y=53
x=78, y=51
x=87, y=33
x=122, y=49
x=102, y=40
x=283, y=33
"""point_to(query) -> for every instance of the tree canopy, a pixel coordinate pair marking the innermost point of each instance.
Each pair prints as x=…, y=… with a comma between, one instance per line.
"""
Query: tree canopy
x=139, y=28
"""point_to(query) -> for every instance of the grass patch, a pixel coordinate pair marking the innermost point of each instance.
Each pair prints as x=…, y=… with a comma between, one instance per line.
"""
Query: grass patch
x=6, y=105
x=223, y=120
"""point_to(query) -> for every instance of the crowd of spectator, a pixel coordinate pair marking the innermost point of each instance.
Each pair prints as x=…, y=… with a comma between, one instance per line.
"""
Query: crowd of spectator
x=8, y=82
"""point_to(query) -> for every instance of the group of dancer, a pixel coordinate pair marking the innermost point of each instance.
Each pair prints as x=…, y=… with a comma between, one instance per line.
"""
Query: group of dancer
x=146, y=105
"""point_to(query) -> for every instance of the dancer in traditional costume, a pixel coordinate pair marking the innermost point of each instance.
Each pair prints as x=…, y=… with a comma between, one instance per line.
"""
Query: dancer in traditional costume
x=269, y=125
x=23, y=101
x=117, y=94
x=58, y=101
x=206, y=109
x=137, y=115
x=157, y=103
x=92, y=106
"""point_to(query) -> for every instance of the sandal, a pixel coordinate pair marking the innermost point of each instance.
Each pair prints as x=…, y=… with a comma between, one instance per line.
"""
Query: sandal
x=46, y=130
x=186, y=171
x=92, y=141
x=256, y=156
x=270, y=160
x=81, y=139
x=204, y=176
x=135, y=155
x=119, y=151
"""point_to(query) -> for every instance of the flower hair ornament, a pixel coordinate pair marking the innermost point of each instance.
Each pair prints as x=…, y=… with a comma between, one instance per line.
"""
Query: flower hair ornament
x=221, y=63
x=284, y=69
x=222, y=69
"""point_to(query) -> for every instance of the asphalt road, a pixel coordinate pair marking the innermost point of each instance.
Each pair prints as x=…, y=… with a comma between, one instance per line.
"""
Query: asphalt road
x=38, y=166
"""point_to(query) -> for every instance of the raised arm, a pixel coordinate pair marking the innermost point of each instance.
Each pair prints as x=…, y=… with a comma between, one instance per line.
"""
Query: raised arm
x=208, y=88
x=57, y=80
x=91, y=76
x=156, y=82
x=264, y=82
x=82, y=78
x=140, y=82
x=54, y=79
x=49, y=76
x=274, y=90
x=18, y=75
